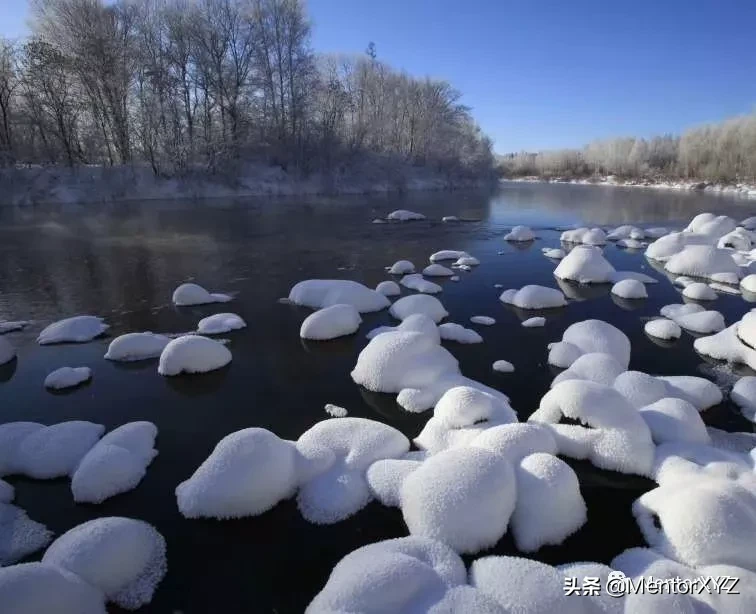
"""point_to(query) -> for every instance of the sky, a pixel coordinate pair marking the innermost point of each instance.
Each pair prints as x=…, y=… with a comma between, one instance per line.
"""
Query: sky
x=546, y=74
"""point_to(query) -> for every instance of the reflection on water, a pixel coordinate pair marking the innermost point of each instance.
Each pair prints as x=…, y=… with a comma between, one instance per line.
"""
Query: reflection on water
x=123, y=261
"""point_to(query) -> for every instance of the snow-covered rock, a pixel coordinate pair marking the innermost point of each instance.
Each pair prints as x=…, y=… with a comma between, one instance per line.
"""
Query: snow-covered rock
x=437, y=270
x=447, y=254
x=516, y=440
x=698, y=291
x=744, y=396
x=586, y=337
x=483, y=320
x=194, y=294
x=320, y=293
x=9, y=327
x=7, y=351
x=631, y=244
x=662, y=328
x=520, y=234
x=594, y=367
x=78, y=329
x=330, y=323
x=585, y=264
x=20, y=536
x=533, y=297
x=694, y=318
x=193, y=354
x=335, y=411
x=629, y=289
x=7, y=492
x=401, y=267
x=671, y=419
x=748, y=283
x=466, y=261
x=726, y=345
x=553, y=253
x=503, y=366
x=667, y=246
x=415, y=281
x=587, y=236
x=67, y=377
x=704, y=261
x=536, y=322
x=11, y=436
x=122, y=557
x=625, y=232
x=220, y=323
x=739, y=239
x=418, y=304
x=116, y=464
x=388, y=288
x=136, y=346
x=714, y=226
x=403, y=215
x=417, y=323
x=450, y=218
x=456, y=332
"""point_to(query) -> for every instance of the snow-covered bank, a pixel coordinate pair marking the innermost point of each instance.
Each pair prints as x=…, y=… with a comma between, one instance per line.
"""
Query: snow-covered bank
x=87, y=184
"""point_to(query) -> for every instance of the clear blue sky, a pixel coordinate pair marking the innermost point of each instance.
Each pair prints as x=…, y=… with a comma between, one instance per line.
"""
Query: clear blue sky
x=553, y=73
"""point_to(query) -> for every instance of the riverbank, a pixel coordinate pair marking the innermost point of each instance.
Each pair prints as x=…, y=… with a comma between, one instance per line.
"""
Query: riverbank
x=746, y=190
x=101, y=184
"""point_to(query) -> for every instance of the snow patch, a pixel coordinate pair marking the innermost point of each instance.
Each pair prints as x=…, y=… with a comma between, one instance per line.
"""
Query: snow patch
x=330, y=323
x=320, y=293
x=194, y=294
x=520, y=234
x=220, y=323
x=193, y=354
x=67, y=377
x=79, y=329
x=136, y=346
x=533, y=297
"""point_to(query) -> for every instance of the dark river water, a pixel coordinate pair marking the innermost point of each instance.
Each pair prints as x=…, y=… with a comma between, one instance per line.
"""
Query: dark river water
x=123, y=261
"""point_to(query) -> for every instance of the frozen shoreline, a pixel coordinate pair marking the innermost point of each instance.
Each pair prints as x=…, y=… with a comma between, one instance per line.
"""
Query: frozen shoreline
x=744, y=190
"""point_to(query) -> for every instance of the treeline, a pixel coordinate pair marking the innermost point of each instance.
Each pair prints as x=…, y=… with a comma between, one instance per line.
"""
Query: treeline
x=723, y=152
x=182, y=84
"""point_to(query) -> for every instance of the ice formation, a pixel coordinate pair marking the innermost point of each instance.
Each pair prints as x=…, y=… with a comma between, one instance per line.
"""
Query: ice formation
x=78, y=329
x=136, y=346
x=520, y=234
x=67, y=377
x=194, y=294
x=533, y=297
x=220, y=323
x=330, y=323
x=319, y=293
x=193, y=354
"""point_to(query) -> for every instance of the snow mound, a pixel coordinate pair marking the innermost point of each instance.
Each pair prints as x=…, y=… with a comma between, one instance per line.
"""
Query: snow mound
x=587, y=236
x=11, y=436
x=523, y=586
x=136, y=346
x=746, y=329
x=726, y=345
x=739, y=239
x=416, y=323
x=460, y=415
x=461, y=599
x=533, y=297
x=401, y=267
x=483, y=320
x=703, y=322
x=593, y=367
x=516, y=440
x=220, y=323
x=625, y=232
x=55, y=451
x=631, y=244
x=553, y=253
x=718, y=287
x=662, y=328
x=335, y=411
x=456, y=332
x=462, y=497
x=193, y=354
x=534, y=322
x=385, y=478
x=630, y=289
x=585, y=264
x=466, y=261
x=671, y=420
x=503, y=366
x=447, y=254
x=615, y=436
x=704, y=261
x=743, y=395
x=520, y=234
x=354, y=444
x=7, y=351
x=699, y=392
x=450, y=218
x=549, y=505
x=388, y=288
x=122, y=557
x=78, y=329
x=748, y=283
x=416, y=282
x=7, y=492
x=618, y=276
x=403, y=215
x=418, y=304
x=9, y=327
x=714, y=226
x=38, y=588
x=319, y=293
x=437, y=270
x=669, y=245
x=116, y=464
x=699, y=291
x=68, y=377
x=330, y=323
x=749, y=223
x=403, y=575
x=587, y=337
x=19, y=535
x=194, y=294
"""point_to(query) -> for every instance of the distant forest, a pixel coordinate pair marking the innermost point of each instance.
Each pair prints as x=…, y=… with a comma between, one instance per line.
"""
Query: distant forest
x=183, y=85
x=724, y=152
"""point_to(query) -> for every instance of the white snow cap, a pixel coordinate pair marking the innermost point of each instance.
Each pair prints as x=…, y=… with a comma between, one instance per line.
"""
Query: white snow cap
x=136, y=346
x=585, y=264
x=662, y=328
x=415, y=281
x=693, y=317
x=671, y=420
x=418, y=304
x=456, y=332
x=330, y=323
x=116, y=464
x=714, y=226
x=319, y=293
x=193, y=294
x=34, y=588
x=699, y=291
x=11, y=436
x=20, y=536
x=533, y=297
x=403, y=575
x=516, y=440
x=447, y=254
x=549, y=505
x=503, y=366
x=400, y=267
x=667, y=246
x=588, y=236
x=590, y=336
x=748, y=283
x=463, y=497
x=7, y=492
x=520, y=234
x=744, y=396
x=122, y=557
x=68, y=377
x=553, y=253
x=450, y=218
x=193, y=354
x=483, y=320
x=220, y=323
x=9, y=327
x=630, y=289
x=7, y=351
x=78, y=329
x=415, y=323
x=625, y=232
x=534, y=322
x=631, y=244
x=466, y=261
x=705, y=261
x=642, y=389
x=727, y=345
x=403, y=215
x=437, y=270
x=335, y=411
x=388, y=288
x=385, y=478
x=594, y=367
x=617, y=438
